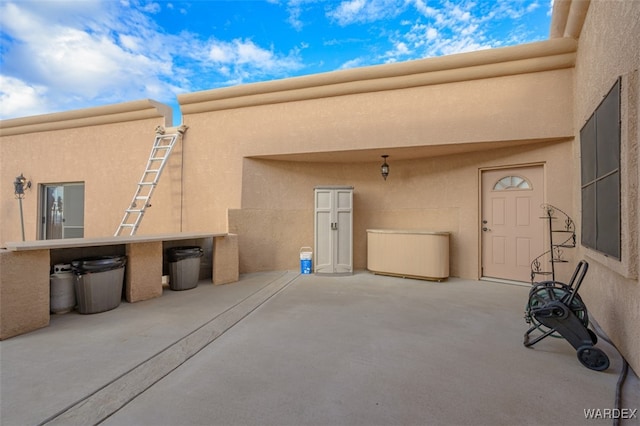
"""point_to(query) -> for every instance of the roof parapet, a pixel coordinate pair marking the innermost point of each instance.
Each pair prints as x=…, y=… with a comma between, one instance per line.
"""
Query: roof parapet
x=568, y=18
x=526, y=58
x=115, y=113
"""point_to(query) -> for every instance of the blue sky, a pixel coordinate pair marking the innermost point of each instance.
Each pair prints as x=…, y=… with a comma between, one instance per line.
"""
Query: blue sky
x=59, y=55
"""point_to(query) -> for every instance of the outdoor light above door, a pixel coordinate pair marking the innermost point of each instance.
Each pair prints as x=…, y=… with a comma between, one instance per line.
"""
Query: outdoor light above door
x=384, y=169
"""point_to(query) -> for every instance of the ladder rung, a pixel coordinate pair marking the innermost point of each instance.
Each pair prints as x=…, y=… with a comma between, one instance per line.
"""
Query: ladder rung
x=147, y=183
x=152, y=171
x=157, y=158
x=135, y=210
x=142, y=197
x=127, y=225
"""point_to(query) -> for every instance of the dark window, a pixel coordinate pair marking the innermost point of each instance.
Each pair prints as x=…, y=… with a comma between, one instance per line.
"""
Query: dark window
x=600, y=170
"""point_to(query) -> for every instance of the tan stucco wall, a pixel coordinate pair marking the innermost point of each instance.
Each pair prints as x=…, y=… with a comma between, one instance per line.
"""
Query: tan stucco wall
x=610, y=47
x=432, y=107
x=24, y=302
x=256, y=164
x=463, y=103
x=253, y=154
x=144, y=271
x=106, y=150
x=438, y=194
x=225, y=260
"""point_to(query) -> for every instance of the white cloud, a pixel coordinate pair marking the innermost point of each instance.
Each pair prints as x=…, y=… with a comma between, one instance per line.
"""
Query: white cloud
x=402, y=48
x=461, y=45
x=243, y=58
x=468, y=30
x=66, y=55
x=18, y=98
x=359, y=11
x=348, y=11
x=130, y=42
x=222, y=53
x=425, y=10
x=151, y=8
x=400, y=51
x=248, y=53
x=442, y=26
x=354, y=63
x=296, y=9
x=447, y=27
x=78, y=62
x=460, y=15
x=514, y=9
x=69, y=62
x=241, y=52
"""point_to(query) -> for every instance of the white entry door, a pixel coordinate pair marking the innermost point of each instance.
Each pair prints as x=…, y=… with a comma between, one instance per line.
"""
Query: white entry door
x=512, y=231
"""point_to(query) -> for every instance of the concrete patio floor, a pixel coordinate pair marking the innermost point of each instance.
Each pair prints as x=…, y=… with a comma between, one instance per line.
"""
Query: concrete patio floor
x=279, y=348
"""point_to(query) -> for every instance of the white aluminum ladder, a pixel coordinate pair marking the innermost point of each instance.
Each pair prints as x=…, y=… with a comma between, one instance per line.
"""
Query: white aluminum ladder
x=162, y=147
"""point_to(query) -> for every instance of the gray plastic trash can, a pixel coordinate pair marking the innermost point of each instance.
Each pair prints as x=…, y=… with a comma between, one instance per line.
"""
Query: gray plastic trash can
x=184, y=267
x=98, y=283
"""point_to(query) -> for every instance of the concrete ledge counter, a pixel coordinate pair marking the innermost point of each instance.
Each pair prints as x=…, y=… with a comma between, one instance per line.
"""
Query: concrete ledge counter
x=25, y=268
x=107, y=241
x=408, y=253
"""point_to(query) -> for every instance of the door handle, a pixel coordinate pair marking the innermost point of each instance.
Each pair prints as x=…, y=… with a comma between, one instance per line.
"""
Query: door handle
x=334, y=225
x=485, y=229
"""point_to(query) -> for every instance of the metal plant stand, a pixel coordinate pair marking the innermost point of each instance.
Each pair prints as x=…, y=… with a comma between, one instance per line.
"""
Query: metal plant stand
x=559, y=238
x=555, y=309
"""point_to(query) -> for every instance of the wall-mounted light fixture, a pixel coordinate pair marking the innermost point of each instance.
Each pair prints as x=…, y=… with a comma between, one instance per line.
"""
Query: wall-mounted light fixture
x=384, y=169
x=20, y=184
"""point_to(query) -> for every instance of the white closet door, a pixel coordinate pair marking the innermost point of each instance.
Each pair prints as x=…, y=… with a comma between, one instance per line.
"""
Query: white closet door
x=333, y=230
x=323, y=241
x=343, y=235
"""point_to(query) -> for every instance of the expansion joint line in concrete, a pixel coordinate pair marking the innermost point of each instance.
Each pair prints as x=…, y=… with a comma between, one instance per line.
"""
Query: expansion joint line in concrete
x=107, y=400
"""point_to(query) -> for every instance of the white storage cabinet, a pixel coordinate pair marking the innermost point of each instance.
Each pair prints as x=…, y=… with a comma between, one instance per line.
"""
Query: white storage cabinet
x=333, y=230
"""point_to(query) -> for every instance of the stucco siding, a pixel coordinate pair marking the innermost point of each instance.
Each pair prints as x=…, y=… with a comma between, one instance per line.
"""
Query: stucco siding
x=24, y=302
x=438, y=194
x=253, y=153
x=531, y=106
x=109, y=158
x=609, y=48
x=512, y=109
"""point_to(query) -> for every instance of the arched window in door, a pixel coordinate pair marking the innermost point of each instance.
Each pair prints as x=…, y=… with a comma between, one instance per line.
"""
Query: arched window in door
x=511, y=183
